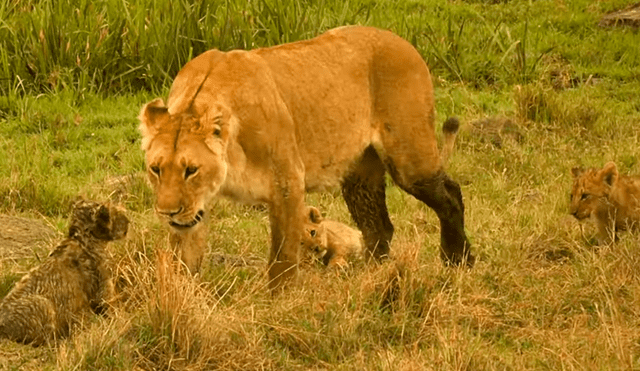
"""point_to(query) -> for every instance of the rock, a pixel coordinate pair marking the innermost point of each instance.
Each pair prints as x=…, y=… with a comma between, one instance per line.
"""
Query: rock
x=19, y=236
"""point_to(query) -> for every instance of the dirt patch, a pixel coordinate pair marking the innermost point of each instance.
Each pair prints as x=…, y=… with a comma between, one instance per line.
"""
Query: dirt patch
x=20, y=237
x=629, y=16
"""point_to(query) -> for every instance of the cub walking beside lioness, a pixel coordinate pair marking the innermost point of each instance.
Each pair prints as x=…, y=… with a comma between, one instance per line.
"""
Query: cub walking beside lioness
x=332, y=242
x=611, y=198
x=74, y=281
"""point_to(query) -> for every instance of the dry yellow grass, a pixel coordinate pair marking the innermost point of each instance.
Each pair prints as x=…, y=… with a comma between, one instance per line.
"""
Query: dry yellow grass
x=540, y=298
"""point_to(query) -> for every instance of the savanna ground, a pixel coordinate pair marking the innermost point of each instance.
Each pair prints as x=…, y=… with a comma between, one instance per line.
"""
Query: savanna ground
x=539, y=86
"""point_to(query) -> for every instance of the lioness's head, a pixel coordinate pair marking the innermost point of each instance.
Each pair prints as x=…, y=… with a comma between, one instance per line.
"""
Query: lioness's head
x=591, y=188
x=186, y=158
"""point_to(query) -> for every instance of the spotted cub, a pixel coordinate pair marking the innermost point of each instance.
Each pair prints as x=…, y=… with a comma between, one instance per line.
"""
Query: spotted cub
x=612, y=199
x=332, y=242
x=73, y=281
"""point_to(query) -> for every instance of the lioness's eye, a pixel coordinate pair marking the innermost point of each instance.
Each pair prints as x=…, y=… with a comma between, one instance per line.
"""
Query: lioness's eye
x=217, y=131
x=155, y=169
x=584, y=196
x=312, y=232
x=190, y=170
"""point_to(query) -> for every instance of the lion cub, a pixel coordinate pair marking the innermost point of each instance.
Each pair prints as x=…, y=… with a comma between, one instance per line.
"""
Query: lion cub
x=74, y=280
x=612, y=199
x=332, y=242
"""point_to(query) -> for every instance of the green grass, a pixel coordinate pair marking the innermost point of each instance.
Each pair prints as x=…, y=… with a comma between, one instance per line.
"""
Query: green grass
x=541, y=296
x=115, y=46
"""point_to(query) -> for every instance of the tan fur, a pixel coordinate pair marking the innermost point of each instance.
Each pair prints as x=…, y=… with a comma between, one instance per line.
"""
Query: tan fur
x=612, y=199
x=266, y=125
x=335, y=243
x=74, y=281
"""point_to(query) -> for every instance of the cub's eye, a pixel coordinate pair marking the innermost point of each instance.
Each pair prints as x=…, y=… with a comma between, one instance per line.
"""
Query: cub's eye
x=584, y=196
x=155, y=169
x=312, y=232
x=189, y=171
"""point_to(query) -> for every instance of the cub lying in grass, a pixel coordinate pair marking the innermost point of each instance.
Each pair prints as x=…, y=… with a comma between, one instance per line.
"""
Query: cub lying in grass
x=612, y=199
x=74, y=280
x=333, y=242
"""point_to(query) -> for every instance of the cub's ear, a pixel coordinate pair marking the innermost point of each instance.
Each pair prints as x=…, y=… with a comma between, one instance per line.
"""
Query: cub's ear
x=152, y=116
x=76, y=202
x=577, y=171
x=609, y=174
x=103, y=215
x=103, y=228
x=314, y=215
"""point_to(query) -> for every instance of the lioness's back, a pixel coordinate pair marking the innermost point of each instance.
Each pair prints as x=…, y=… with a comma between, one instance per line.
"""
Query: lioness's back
x=351, y=88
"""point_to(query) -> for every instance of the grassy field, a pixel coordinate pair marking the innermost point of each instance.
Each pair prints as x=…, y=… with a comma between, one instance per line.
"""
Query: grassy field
x=540, y=88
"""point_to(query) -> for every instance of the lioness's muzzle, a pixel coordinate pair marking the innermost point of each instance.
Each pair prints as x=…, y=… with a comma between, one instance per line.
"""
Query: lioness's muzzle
x=197, y=219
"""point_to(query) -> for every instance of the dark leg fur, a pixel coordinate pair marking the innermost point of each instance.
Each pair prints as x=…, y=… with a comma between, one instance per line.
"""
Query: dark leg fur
x=443, y=195
x=364, y=193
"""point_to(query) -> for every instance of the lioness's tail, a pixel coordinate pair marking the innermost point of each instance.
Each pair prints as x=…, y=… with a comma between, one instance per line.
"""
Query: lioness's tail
x=450, y=130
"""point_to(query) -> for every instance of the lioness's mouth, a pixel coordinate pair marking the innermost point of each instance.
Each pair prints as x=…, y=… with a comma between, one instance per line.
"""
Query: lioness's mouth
x=197, y=219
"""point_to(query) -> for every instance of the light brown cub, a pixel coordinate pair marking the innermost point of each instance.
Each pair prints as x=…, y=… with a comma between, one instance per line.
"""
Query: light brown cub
x=333, y=242
x=74, y=280
x=612, y=199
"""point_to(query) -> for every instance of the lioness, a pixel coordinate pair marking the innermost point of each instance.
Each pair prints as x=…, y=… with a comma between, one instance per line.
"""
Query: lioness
x=611, y=198
x=265, y=125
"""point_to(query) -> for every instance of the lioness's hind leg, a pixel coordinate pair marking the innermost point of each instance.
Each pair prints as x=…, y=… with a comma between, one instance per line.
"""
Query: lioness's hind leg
x=364, y=192
x=443, y=195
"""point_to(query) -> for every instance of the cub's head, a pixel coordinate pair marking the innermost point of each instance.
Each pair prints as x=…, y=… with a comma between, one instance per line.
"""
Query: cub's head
x=314, y=239
x=186, y=158
x=591, y=188
x=103, y=221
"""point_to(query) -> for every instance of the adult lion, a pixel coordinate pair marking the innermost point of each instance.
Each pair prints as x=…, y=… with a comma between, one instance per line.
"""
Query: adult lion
x=265, y=125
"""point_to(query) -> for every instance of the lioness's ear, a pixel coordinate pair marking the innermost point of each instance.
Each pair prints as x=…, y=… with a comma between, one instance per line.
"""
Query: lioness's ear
x=609, y=173
x=577, y=171
x=217, y=123
x=152, y=115
x=314, y=215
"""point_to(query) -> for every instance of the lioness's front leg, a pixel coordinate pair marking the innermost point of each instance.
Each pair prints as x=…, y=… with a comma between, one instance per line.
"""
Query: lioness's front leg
x=286, y=220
